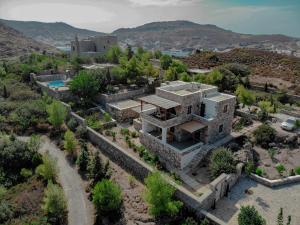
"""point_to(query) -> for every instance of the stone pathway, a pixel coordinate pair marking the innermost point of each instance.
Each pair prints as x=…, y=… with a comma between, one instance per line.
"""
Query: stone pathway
x=80, y=209
x=266, y=200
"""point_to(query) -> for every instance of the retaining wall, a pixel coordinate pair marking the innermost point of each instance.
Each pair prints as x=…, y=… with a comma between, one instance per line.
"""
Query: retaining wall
x=135, y=166
x=275, y=183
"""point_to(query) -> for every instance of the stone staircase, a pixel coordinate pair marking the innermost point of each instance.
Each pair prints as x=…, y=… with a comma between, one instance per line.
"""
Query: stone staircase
x=204, y=151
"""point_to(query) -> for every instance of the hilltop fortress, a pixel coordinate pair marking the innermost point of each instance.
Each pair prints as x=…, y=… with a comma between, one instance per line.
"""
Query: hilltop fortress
x=93, y=45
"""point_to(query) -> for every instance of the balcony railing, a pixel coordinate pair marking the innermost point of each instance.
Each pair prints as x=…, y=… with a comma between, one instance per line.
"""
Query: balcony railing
x=161, y=123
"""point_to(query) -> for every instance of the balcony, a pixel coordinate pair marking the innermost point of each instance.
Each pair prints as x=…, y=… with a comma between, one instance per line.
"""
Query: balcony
x=154, y=118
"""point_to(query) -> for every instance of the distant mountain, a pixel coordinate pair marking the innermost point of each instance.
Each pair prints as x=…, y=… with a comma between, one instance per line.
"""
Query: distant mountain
x=185, y=35
x=56, y=34
x=14, y=44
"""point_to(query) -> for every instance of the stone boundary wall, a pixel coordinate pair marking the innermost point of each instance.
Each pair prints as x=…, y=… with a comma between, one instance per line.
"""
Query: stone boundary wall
x=135, y=166
x=103, y=99
x=244, y=114
x=275, y=183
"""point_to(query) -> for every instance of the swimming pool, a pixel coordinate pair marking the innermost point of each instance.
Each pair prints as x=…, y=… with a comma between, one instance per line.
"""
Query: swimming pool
x=56, y=83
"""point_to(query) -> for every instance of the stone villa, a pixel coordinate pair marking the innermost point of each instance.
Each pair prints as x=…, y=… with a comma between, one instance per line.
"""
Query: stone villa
x=186, y=119
x=93, y=45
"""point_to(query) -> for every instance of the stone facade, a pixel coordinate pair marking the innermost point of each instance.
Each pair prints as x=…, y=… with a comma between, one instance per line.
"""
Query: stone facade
x=210, y=111
x=93, y=45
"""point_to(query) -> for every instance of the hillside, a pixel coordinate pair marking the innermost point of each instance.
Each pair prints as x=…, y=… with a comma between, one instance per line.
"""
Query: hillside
x=55, y=34
x=280, y=70
x=14, y=44
x=185, y=35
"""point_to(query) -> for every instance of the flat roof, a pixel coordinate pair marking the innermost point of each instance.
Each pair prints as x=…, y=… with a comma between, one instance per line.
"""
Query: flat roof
x=220, y=97
x=126, y=104
x=159, y=101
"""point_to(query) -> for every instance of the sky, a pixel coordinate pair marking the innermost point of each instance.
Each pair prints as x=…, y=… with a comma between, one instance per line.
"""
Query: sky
x=243, y=16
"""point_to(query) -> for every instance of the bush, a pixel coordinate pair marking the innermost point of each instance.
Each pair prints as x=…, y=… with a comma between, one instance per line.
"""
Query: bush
x=96, y=170
x=6, y=212
x=70, y=142
x=259, y=171
x=81, y=131
x=222, y=161
x=264, y=135
x=250, y=216
x=47, y=170
x=125, y=131
x=72, y=124
x=26, y=173
x=159, y=196
x=134, y=134
x=106, y=117
x=249, y=168
x=83, y=158
x=280, y=168
x=57, y=113
x=55, y=205
x=297, y=170
x=107, y=196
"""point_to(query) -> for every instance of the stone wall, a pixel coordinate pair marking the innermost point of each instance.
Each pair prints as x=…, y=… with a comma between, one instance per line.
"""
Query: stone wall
x=137, y=124
x=103, y=99
x=275, y=183
x=52, y=77
x=123, y=115
x=63, y=95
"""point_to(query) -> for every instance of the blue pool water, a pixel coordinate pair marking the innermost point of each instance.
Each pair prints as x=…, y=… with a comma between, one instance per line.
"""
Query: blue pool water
x=56, y=83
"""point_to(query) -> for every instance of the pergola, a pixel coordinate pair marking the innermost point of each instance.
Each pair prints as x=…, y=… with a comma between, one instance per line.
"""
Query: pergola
x=163, y=104
x=192, y=126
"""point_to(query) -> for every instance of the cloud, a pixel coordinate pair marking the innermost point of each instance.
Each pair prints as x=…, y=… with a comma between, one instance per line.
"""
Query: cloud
x=162, y=3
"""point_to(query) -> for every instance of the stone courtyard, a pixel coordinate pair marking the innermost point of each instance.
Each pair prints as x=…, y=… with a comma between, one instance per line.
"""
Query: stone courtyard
x=266, y=200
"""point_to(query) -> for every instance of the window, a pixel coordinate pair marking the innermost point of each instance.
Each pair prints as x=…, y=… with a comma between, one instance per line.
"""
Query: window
x=221, y=128
x=225, y=109
x=189, y=109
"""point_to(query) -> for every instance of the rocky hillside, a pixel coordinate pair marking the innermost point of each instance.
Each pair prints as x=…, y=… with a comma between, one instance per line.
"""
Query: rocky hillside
x=55, y=34
x=283, y=71
x=14, y=44
x=185, y=35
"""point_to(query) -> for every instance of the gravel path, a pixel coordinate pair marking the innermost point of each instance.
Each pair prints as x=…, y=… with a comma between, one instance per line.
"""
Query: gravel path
x=266, y=200
x=80, y=209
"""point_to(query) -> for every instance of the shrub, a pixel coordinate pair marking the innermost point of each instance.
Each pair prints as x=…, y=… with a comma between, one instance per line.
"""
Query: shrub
x=159, y=196
x=264, y=135
x=250, y=168
x=280, y=168
x=34, y=143
x=106, y=117
x=113, y=134
x=125, y=131
x=81, y=131
x=107, y=196
x=134, y=134
x=189, y=221
x=297, y=170
x=72, y=124
x=165, y=61
x=222, y=161
x=54, y=204
x=26, y=173
x=83, y=158
x=2, y=192
x=70, y=142
x=259, y=171
x=95, y=169
x=57, y=113
x=250, y=216
x=47, y=170
x=6, y=212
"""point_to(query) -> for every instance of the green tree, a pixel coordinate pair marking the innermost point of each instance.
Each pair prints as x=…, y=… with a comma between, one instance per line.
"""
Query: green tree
x=165, y=61
x=54, y=204
x=95, y=169
x=107, y=196
x=222, y=161
x=133, y=69
x=48, y=169
x=245, y=96
x=85, y=85
x=157, y=54
x=264, y=135
x=250, y=216
x=83, y=159
x=70, y=142
x=114, y=54
x=56, y=113
x=159, y=196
